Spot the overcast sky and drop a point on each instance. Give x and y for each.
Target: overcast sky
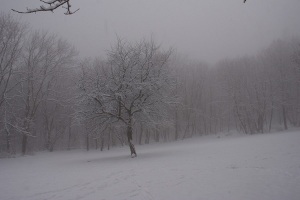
(204, 30)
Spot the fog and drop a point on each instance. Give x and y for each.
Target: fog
(202, 30)
(235, 67)
(105, 78)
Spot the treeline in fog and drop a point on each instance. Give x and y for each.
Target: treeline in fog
(137, 94)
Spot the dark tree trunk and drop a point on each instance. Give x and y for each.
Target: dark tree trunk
(51, 149)
(96, 144)
(176, 125)
(24, 144)
(156, 134)
(48, 140)
(69, 138)
(260, 123)
(147, 139)
(271, 118)
(87, 142)
(129, 137)
(7, 142)
(284, 117)
(108, 140)
(102, 144)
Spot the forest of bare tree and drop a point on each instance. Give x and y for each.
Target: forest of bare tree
(51, 99)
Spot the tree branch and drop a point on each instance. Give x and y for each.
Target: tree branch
(51, 6)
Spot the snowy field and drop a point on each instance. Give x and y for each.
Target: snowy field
(259, 167)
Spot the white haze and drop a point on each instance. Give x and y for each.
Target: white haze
(200, 29)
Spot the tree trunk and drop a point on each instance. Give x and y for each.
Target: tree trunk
(69, 138)
(7, 142)
(87, 142)
(176, 124)
(96, 144)
(51, 148)
(271, 118)
(24, 144)
(108, 139)
(284, 117)
(147, 139)
(129, 137)
(260, 123)
(48, 142)
(156, 134)
(102, 144)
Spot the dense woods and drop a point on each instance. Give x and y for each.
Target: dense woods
(139, 93)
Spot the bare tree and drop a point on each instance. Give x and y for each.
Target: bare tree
(11, 35)
(280, 58)
(11, 40)
(43, 57)
(296, 55)
(133, 85)
(57, 108)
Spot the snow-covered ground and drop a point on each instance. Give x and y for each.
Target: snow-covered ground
(258, 167)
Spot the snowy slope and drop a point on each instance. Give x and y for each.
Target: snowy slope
(259, 167)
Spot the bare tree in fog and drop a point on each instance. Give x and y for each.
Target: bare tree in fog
(133, 85)
(11, 41)
(44, 56)
(296, 55)
(281, 65)
(56, 109)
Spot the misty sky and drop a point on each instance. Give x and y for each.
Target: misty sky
(203, 30)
